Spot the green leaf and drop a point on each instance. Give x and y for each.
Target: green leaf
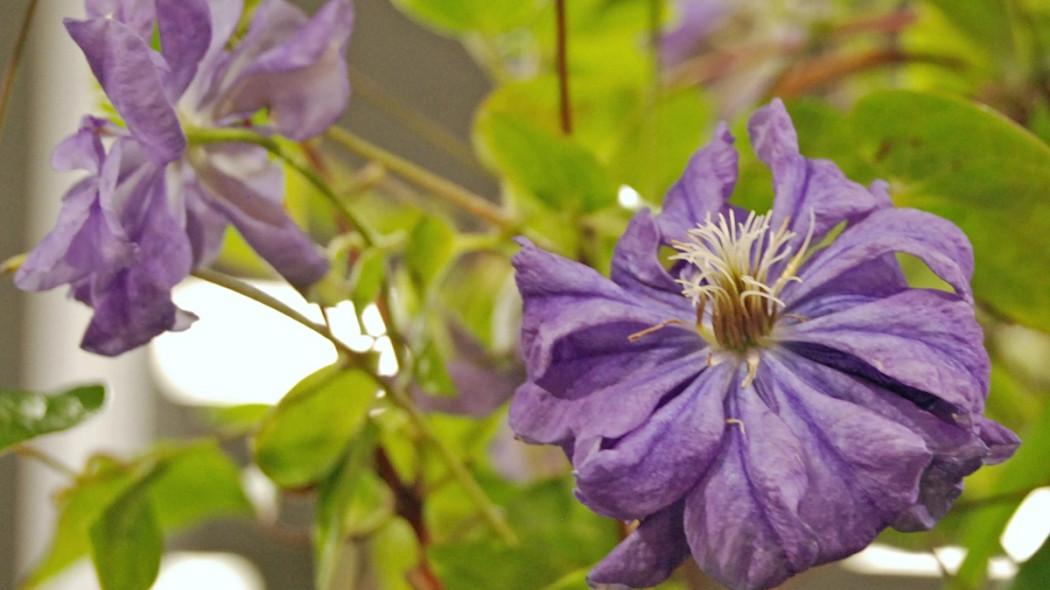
(555, 170)
(25, 415)
(184, 485)
(466, 16)
(349, 502)
(975, 167)
(82, 505)
(198, 483)
(558, 535)
(430, 249)
(658, 140)
(986, 21)
(367, 277)
(126, 542)
(394, 552)
(308, 432)
(239, 419)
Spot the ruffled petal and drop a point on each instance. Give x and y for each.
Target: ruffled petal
(185, 33)
(136, 305)
(811, 195)
(656, 464)
(807, 481)
(140, 15)
(636, 266)
(934, 240)
(300, 76)
(263, 223)
(648, 555)
(125, 67)
(89, 242)
(926, 340)
(83, 150)
(703, 189)
(571, 312)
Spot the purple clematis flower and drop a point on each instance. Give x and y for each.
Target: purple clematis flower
(760, 400)
(157, 205)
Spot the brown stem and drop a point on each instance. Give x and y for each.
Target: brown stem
(407, 503)
(823, 70)
(563, 68)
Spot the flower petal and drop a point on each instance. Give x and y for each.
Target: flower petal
(262, 221)
(125, 67)
(934, 240)
(926, 340)
(140, 15)
(572, 312)
(136, 305)
(300, 75)
(703, 189)
(648, 555)
(656, 464)
(810, 194)
(185, 33)
(636, 267)
(808, 482)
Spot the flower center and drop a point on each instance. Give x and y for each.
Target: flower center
(729, 278)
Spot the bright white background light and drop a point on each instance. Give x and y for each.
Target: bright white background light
(1028, 527)
(208, 571)
(628, 197)
(242, 352)
(883, 560)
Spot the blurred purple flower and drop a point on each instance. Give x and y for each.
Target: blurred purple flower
(156, 206)
(697, 19)
(765, 405)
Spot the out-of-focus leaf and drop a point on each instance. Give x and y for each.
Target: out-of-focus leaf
(24, 415)
(458, 17)
(184, 485)
(345, 504)
(658, 140)
(81, 506)
(980, 170)
(367, 277)
(555, 170)
(430, 248)
(558, 535)
(432, 372)
(986, 21)
(126, 542)
(198, 483)
(308, 432)
(239, 419)
(394, 552)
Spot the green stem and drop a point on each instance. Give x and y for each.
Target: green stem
(243, 135)
(259, 296)
(16, 58)
(36, 454)
(468, 201)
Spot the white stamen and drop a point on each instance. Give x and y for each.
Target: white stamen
(729, 280)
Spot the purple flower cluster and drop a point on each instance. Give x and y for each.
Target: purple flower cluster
(154, 206)
(773, 393)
